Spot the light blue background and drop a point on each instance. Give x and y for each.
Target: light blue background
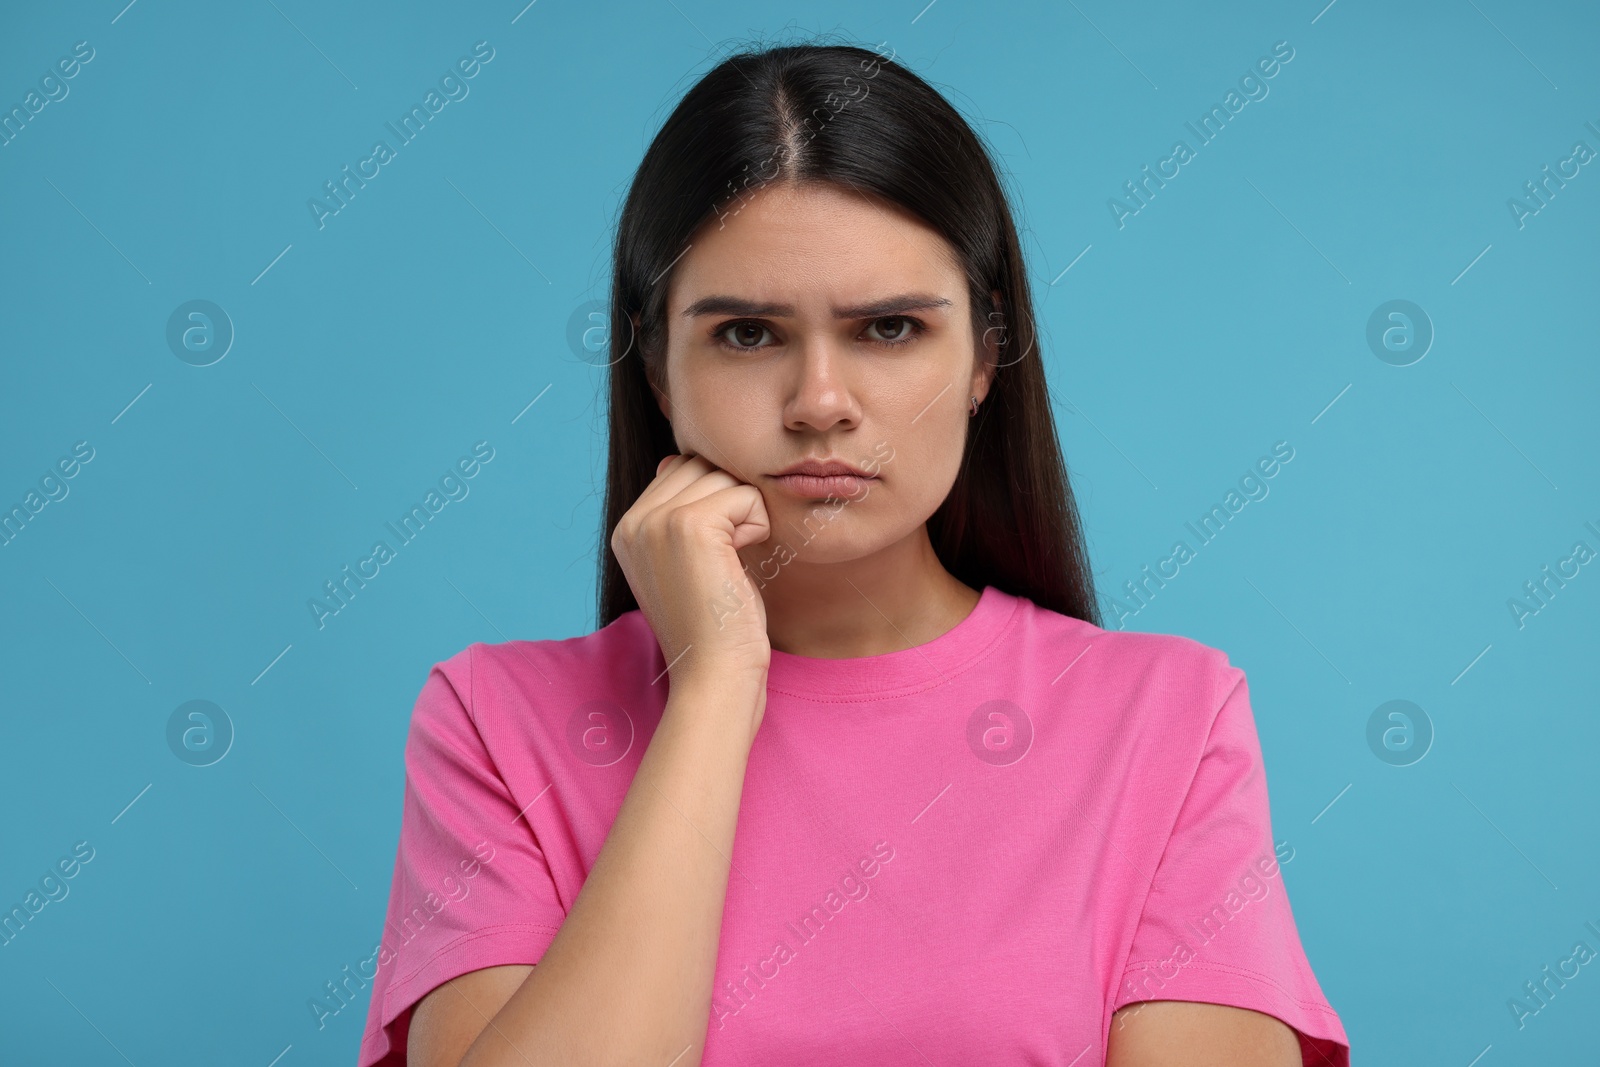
(1229, 314)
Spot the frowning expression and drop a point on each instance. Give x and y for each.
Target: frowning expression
(816, 323)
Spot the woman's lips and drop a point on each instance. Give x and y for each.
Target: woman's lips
(816, 487)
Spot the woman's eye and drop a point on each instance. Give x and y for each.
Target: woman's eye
(899, 334)
(736, 335)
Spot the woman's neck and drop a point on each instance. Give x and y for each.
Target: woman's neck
(890, 601)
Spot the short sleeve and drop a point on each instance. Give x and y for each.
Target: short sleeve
(1216, 925)
(471, 888)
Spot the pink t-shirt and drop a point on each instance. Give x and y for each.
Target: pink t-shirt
(970, 851)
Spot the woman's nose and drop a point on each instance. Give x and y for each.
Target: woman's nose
(823, 394)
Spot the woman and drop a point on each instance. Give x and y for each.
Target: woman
(848, 611)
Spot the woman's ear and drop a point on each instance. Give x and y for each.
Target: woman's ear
(982, 379)
(663, 402)
(989, 358)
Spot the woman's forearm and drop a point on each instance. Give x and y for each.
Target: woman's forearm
(627, 979)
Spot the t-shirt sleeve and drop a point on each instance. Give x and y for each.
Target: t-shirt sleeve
(1216, 925)
(471, 888)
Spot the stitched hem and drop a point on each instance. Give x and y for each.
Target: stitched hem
(1223, 968)
(1320, 1032)
(468, 952)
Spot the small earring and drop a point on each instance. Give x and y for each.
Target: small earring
(973, 410)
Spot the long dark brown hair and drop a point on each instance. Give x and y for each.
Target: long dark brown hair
(836, 113)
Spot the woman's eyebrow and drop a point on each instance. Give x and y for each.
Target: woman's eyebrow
(892, 305)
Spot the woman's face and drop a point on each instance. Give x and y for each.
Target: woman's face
(813, 323)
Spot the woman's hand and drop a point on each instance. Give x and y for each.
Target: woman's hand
(678, 547)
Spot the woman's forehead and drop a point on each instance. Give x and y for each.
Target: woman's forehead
(813, 249)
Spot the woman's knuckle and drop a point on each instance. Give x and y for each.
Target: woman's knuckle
(681, 521)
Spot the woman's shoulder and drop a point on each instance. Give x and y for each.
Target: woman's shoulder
(1137, 659)
(484, 670)
(1140, 699)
